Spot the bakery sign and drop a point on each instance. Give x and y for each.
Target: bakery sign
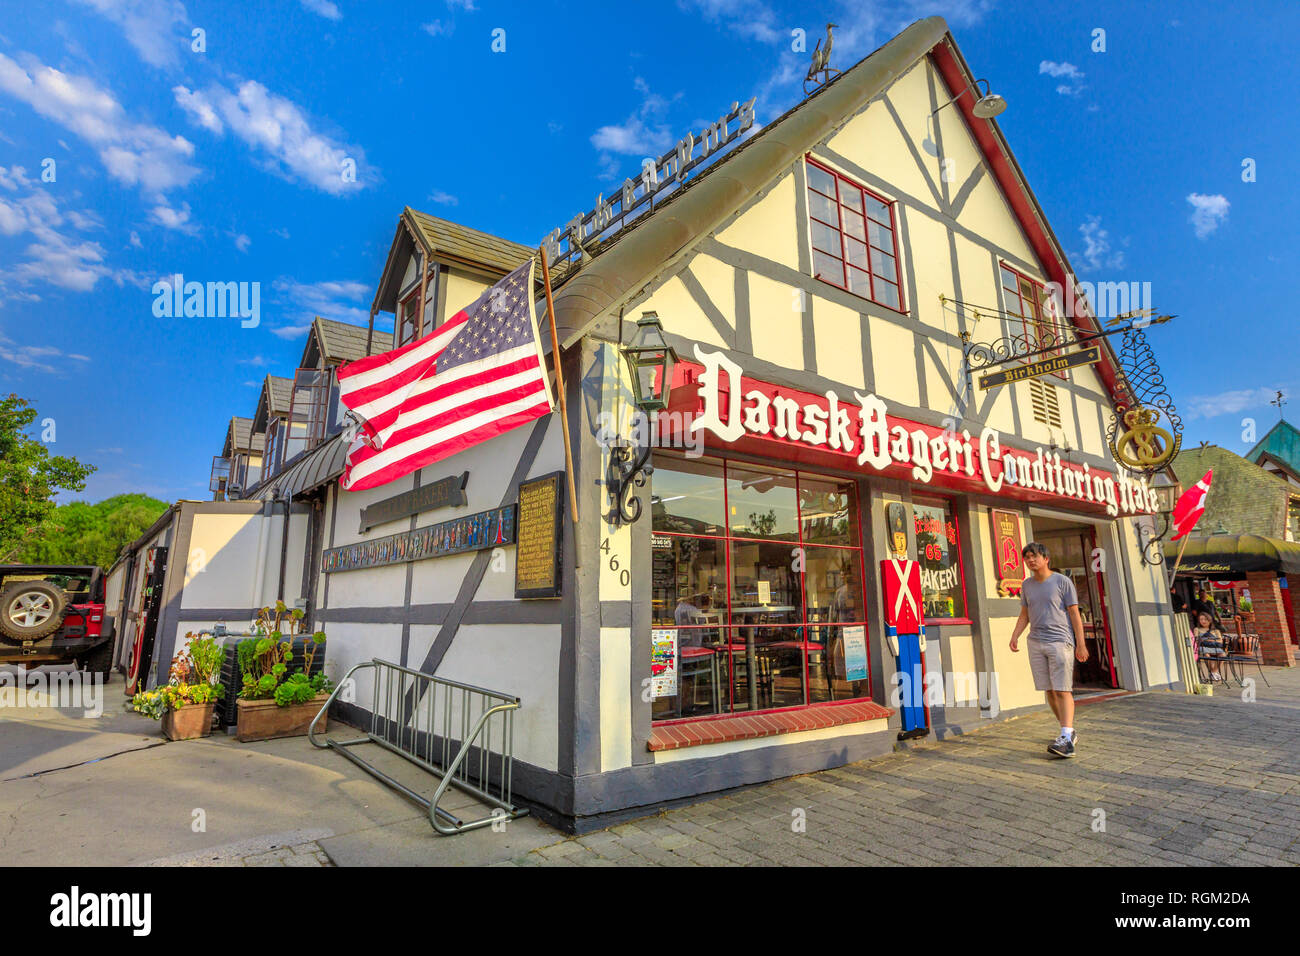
(749, 412)
(1008, 543)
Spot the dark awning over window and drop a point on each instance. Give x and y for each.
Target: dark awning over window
(321, 464)
(1230, 555)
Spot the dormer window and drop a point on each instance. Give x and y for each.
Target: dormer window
(274, 446)
(220, 477)
(307, 411)
(408, 318)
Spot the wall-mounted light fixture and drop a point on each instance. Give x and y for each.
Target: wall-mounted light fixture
(986, 107)
(650, 360)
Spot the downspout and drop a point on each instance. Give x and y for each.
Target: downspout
(284, 545)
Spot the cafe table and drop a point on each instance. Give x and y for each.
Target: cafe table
(750, 656)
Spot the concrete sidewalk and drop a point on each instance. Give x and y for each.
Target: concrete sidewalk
(1160, 778)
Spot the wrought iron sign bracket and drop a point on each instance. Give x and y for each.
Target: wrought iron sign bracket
(627, 470)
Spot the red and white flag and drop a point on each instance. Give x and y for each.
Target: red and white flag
(1190, 506)
(477, 375)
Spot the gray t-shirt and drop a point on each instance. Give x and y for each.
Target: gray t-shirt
(1049, 621)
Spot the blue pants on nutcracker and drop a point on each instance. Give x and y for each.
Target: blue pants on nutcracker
(912, 671)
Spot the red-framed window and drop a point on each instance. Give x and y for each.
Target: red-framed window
(1027, 301)
(854, 237)
(759, 571)
(938, 550)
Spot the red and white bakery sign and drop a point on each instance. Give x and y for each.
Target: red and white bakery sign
(752, 415)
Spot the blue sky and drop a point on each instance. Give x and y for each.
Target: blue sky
(224, 165)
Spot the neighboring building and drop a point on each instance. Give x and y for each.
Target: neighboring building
(1244, 546)
(799, 278)
(1278, 452)
(239, 466)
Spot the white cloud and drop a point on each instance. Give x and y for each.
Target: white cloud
(1228, 402)
(242, 242)
(37, 358)
(1069, 73)
(437, 28)
(277, 129)
(133, 153)
(135, 240)
(1097, 252)
(466, 5)
(749, 18)
(303, 301)
(633, 138)
(174, 219)
(158, 29)
(55, 256)
(1208, 213)
(443, 198)
(330, 11)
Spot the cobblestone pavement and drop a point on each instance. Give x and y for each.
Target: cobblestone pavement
(1160, 779)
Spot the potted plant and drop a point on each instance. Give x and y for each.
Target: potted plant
(278, 700)
(185, 703)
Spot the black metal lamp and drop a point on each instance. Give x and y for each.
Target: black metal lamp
(650, 360)
(1167, 493)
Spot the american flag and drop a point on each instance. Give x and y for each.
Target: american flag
(477, 375)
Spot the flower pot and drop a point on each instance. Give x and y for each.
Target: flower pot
(265, 719)
(188, 722)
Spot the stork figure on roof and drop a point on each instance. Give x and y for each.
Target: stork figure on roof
(820, 72)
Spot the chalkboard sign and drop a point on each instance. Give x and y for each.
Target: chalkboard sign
(540, 523)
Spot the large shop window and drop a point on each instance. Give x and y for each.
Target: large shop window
(757, 586)
(943, 587)
(853, 237)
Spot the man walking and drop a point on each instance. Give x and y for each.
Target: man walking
(1050, 609)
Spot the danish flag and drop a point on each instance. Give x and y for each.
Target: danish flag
(1190, 507)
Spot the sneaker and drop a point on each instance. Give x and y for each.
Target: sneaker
(1063, 747)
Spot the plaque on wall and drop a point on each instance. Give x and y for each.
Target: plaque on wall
(537, 555)
(444, 493)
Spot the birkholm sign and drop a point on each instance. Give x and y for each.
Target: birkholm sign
(737, 409)
(1059, 363)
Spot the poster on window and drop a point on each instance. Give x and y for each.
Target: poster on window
(855, 652)
(938, 554)
(663, 662)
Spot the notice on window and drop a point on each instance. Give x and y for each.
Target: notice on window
(765, 593)
(663, 662)
(855, 652)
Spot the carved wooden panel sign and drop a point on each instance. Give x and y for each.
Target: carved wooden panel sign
(487, 529)
(444, 493)
(1008, 542)
(537, 557)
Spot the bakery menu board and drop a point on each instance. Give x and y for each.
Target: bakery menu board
(663, 662)
(537, 549)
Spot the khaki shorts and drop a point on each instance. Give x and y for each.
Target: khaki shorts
(1052, 664)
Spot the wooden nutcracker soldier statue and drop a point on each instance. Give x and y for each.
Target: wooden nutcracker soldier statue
(905, 628)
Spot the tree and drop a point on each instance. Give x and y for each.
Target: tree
(81, 533)
(29, 478)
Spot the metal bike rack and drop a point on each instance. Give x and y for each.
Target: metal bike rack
(444, 727)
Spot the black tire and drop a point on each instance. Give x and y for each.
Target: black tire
(98, 661)
(39, 602)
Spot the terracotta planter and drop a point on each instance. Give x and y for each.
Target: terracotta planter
(264, 719)
(188, 722)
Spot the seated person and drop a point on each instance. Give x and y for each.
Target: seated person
(1209, 645)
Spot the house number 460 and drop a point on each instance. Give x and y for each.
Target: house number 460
(624, 576)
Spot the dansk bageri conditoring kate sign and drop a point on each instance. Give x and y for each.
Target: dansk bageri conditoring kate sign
(756, 417)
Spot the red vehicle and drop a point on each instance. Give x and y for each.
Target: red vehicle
(54, 614)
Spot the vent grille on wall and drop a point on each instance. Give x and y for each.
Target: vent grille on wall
(1046, 408)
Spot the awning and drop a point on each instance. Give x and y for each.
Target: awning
(1227, 555)
(318, 466)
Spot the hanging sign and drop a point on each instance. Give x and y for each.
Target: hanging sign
(1008, 542)
(1056, 363)
(1139, 442)
(537, 556)
(487, 529)
(444, 493)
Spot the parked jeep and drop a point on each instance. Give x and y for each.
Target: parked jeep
(53, 614)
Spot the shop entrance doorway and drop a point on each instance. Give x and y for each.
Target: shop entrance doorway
(1072, 548)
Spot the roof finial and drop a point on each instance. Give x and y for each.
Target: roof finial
(820, 71)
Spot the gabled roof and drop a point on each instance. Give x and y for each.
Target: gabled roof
(240, 438)
(625, 263)
(1244, 497)
(446, 242)
(341, 342)
(276, 396)
(1282, 441)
